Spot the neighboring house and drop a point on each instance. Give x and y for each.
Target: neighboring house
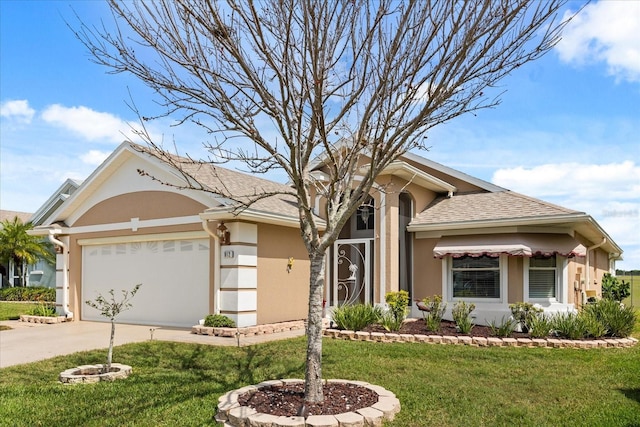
(427, 229)
(8, 277)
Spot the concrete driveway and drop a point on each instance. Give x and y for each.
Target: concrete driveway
(31, 342)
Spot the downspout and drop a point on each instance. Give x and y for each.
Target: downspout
(587, 268)
(216, 266)
(65, 273)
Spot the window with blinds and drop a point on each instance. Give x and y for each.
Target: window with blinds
(542, 277)
(476, 277)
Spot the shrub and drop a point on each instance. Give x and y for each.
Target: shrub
(219, 321)
(614, 289)
(398, 303)
(616, 319)
(355, 317)
(43, 309)
(503, 329)
(523, 312)
(540, 326)
(594, 327)
(569, 325)
(433, 317)
(462, 316)
(36, 293)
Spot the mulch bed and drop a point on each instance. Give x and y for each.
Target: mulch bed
(418, 327)
(288, 400)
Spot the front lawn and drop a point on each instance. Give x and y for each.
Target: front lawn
(175, 384)
(13, 310)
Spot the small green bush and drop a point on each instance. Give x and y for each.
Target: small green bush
(462, 316)
(355, 317)
(615, 289)
(523, 313)
(433, 317)
(503, 329)
(396, 312)
(219, 321)
(617, 319)
(569, 325)
(42, 309)
(540, 326)
(36, 293)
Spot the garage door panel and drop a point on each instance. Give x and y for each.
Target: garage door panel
(174, 276)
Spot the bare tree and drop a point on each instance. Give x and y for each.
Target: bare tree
(347, 84)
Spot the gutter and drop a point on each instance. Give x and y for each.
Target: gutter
(216, 265)
(65, 272)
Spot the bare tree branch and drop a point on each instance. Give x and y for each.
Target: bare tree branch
(341, 86)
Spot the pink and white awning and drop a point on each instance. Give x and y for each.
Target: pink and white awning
(509, 244)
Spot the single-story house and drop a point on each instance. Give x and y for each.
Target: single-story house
(427, 229)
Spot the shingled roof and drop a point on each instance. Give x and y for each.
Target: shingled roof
(485, 206)
(262, 194)
(9, 215)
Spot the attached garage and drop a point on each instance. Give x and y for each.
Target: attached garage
(174, 273)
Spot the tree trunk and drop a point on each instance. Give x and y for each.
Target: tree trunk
(313, 374)
(110, 352)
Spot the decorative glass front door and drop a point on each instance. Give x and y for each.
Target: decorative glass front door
(351, 272)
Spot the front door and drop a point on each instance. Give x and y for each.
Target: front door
(352, 268)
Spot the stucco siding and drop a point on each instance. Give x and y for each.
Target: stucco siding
(143, 205)
(282, 295)
(427, 270)
(515, 273)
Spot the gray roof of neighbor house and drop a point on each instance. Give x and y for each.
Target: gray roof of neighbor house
(487, 206)
(9, 215)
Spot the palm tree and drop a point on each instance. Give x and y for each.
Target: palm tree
(23, 249)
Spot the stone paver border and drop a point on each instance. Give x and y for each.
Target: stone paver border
(479, 341)
(42, 319)
(87, 374)
(231, 414)
(249, 331)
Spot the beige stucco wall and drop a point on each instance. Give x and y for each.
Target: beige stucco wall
(515, 277)
(282, 295)
(427, 270)
(143, 205)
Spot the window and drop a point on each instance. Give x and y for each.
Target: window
(365, 215)
(542, 277)
(476, 277)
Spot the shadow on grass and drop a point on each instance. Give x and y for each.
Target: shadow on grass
(633, 394)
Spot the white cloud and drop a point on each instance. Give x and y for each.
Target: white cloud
(90, 124)
(18, 110)
(605, 31)
(610, 193)
(613, 181)
(94, 157)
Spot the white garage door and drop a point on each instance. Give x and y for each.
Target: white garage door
(174, 276)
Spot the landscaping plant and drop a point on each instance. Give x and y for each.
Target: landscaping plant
(462, 316)
(219, 321)
(615, 289)
(504, 329)
(397, 309)
(356, 317)
(540, 326)
(618, 320)
(110, 308)
(523, 313)
(433, 317)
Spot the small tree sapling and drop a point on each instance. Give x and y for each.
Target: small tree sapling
(110, 308)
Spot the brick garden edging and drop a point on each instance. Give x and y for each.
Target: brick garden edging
(42, 319)
(88, 374)
(249, 331)
(479, 341)
(231, 414)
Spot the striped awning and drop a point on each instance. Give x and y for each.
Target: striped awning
(525, 244)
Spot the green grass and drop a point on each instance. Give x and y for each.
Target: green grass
(634, 298)
(13, 310)
(438, 385)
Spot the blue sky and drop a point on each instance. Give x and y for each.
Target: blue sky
(567, 131)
